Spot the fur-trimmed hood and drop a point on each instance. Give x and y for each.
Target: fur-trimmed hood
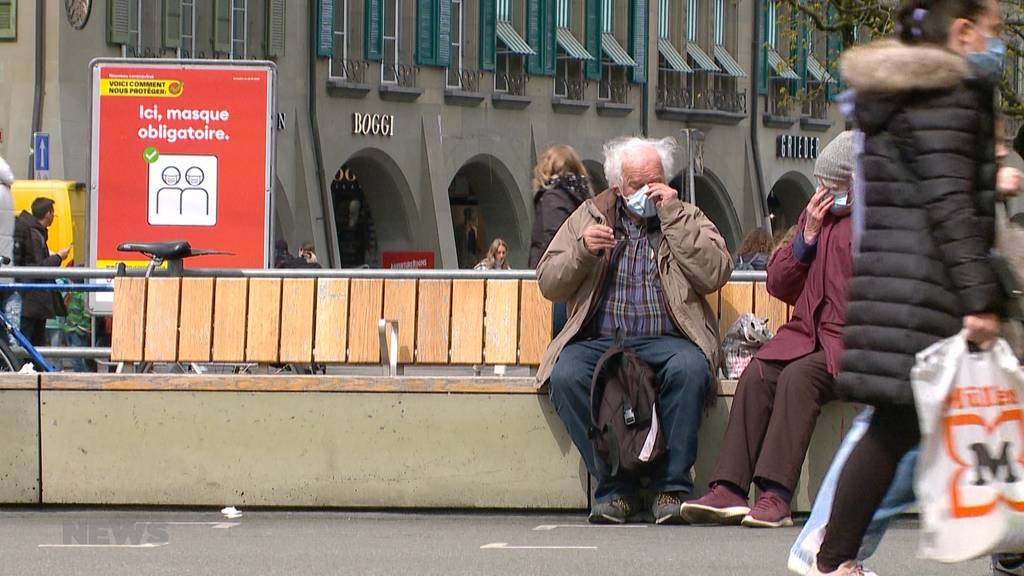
(890, 66)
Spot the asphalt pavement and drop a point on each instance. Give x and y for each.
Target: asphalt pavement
(114, 542)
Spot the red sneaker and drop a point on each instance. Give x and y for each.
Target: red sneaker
(770, 511)
(719, 506)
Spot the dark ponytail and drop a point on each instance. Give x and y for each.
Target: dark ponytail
(928, 21)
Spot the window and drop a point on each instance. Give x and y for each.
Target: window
(187, 40)
(133, 48)
(570, 57)
(616, 62)
(339, 60)
(719, 32)
(512, 50)
(455, 64)
(389, 67)
(608, 16)
(8, 19)
(239, 28)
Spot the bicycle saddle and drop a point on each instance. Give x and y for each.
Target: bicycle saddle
(174, 250)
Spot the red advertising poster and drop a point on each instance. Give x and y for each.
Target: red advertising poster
(182, 152)
(408, 260)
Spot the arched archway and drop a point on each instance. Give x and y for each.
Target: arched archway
(787, 200)
(486, 204)
(373, 208)
(595, 169)
(713, 199)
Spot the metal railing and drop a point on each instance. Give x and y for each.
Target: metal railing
(349, 70)
(464, 79)
(512, 84)
(571, 89)
(734, 101)
(780, 102)
(401, 74)
(617, 92)
(816, 106)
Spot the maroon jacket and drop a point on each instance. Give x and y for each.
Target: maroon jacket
(812, 279)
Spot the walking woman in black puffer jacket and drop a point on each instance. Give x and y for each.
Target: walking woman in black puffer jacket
(925, 104)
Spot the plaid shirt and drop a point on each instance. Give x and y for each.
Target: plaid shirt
(633, 297)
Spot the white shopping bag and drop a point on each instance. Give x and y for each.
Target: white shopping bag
(970, 476)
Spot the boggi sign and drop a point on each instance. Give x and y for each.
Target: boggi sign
(373, 124)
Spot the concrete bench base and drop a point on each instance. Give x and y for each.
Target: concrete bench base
(263, 441)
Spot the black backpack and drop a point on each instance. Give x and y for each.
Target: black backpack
(623, 411)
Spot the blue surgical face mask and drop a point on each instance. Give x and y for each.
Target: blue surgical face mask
(840, 202)
(988, 65)
(638, 203)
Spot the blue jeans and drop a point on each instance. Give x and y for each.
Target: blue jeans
(77, 340)
(683, 376)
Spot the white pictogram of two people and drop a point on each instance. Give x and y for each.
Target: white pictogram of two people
(194, 178)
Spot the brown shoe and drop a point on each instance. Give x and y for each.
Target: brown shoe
(719, 506)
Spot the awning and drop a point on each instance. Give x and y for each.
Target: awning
(672, 56)
(611, 47)
(703, 61)
(817, 71)
(512, 39)
(781, 67)
(571, 45)
(728, 63)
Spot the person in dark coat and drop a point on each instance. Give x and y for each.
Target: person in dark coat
(781, 392)
(561, 185)
(925, 105)
(30, 249)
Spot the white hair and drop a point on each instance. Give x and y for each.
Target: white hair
(615, 151)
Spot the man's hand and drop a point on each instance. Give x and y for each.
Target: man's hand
(64, 253)
(597, 237)
(982, 329)
(659, 192)
(1008, 181)
(817, 208)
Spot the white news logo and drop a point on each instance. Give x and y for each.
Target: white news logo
(183, 190)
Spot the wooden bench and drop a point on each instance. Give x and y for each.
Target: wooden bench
(356, 321)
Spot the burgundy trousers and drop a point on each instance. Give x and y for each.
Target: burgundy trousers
(772, 419)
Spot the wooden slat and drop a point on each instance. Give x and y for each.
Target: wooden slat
(737, 299)
(298, 298)
(534, 324)
(433, 321)
(128, 332)
(400, 305)
(365, 310)
(195, 329)
(467, 322)
(162, 299)
(230, 301)
(767, 306)
(713, 302)
(263, 330)
(501, 325)
(331, 320)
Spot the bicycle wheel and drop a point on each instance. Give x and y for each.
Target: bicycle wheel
(8, 360)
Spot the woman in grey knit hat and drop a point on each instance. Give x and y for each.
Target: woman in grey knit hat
(781, 392)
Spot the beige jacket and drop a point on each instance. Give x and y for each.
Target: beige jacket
(693, 261)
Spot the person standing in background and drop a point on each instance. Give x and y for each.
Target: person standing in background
(496, 257)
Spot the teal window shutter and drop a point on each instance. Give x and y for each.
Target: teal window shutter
(534, 27)
(324, 28)
(8, 19)
(550, 35)
(222, 26)
(802, 36)
(444, 32)
(426, 33)
(373, 30)
(118, 16)
(433, 32)
(765, 68)
(592, 37)
(276, 28)
(488, 34)
(638, 20)
(172, 23)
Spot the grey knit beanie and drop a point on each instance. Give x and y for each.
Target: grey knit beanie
(835, 163)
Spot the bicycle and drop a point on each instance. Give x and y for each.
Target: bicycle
(8, 359)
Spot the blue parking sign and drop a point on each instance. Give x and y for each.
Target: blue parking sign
(41, 151)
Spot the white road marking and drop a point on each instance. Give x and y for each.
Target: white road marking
(223, 525)
(146, 545)
(505, 546)
(544, 527)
